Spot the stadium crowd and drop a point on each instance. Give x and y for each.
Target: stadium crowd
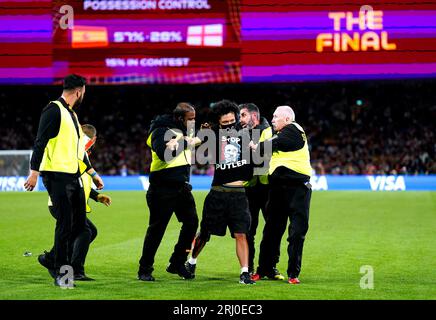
(353, 128)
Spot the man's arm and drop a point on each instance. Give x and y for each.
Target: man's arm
(87, 162)
(100, 197)
(91, 171)
(48, 128)
(289, 139)
(94, 195)
(159, 145)
(201, 136)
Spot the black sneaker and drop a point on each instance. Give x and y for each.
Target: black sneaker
(245, 278)
(181, 270)
(45, 261)
(145, 277)
(190, 268)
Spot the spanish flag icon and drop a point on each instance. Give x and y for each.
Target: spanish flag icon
(89, 37)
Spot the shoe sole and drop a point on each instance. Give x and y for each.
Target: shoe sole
(294, 283)
(151, 280)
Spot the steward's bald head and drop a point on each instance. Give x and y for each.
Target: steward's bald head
(287, 112)
(283, 116)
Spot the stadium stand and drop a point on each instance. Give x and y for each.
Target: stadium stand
(353, 128)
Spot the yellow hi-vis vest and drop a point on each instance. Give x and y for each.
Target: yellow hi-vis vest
(87, 185)
(263, 179)
(64, 153)
(298, 161)
(183, 159)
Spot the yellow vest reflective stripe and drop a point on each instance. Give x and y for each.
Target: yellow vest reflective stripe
(263, 179)
(157, 164)
(64, 153)
(298, 161)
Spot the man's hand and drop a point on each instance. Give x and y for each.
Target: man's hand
(205, 126)
(192, 142)
(252, 146)
(172, 144)
(106, 200)
(31, 181)
(98, 181)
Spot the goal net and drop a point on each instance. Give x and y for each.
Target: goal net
(15, 162)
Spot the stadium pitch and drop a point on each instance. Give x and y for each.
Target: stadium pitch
(392, 233)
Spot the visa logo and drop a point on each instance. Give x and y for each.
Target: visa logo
(319, 183)
(387, 183)
(145, 183)
(12, 184)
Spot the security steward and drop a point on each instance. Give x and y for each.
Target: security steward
(289, 195)
(60, 158)
(169, 190)
(256, 189)
(83, 240)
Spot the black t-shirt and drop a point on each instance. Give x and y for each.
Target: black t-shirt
(233, 157)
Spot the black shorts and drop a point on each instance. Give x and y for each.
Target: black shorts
(225, 209)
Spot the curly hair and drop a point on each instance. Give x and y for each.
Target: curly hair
(220, 108)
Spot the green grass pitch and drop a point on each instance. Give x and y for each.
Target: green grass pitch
(395, 233)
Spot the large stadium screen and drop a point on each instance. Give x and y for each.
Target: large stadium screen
(153, 41)
(215, 41)
(26, 42)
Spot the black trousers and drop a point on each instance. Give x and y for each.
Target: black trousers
(79, 251)
(162, 203)
(285, 202)
(257, 197)
(69, 208)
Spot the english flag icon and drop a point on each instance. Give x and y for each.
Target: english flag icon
(210, 35)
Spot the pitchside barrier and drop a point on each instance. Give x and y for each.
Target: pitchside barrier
(319, 183)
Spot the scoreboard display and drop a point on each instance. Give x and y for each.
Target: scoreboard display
(215, 41)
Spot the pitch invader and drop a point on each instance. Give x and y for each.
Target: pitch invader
(226, 204)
